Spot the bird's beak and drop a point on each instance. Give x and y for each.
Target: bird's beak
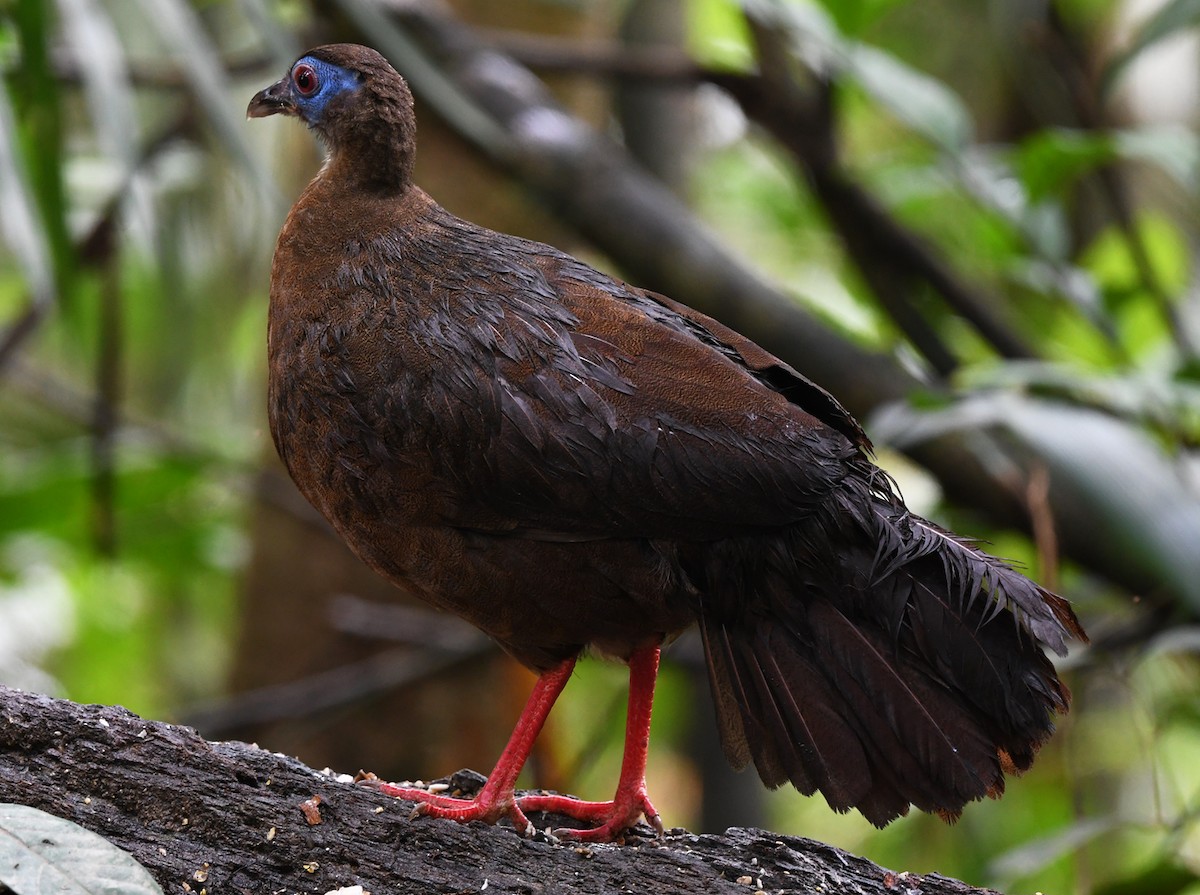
(275, 99)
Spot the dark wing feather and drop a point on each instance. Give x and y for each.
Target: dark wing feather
(559, 403)
(612, 412)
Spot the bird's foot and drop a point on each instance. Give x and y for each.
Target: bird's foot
(614, 818)
(489, 806)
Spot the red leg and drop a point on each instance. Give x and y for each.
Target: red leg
(496, 799)
(630, 801)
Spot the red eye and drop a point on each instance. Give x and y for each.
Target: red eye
(304, 76)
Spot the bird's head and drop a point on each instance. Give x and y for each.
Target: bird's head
(355, 101)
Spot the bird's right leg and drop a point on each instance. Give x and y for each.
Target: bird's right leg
(497, 798)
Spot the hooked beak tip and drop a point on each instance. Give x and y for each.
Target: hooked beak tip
(272, 101)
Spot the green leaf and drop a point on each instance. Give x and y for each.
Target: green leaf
(1176, 150)
(717, 35)
(22, 227)
(1053, 159)
(919, 100)
(1036, 854)
(1184, 639)
(1138, 504)
(182, 31)
(922, 102)
(37, 102)
(855, 18)
(94, 42)
(41, 854)
(1177, 15)
(1110, 261)
(1164, 877)
(1157, 401)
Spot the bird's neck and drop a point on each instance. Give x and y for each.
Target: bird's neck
(374, 166)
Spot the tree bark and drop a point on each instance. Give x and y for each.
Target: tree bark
(233, 818)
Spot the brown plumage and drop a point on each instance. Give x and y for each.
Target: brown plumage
(568, 461)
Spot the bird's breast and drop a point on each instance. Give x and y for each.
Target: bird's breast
(342, 415)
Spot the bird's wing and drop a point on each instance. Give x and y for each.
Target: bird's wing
(572, 406)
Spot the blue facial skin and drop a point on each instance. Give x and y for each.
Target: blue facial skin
(332, 80)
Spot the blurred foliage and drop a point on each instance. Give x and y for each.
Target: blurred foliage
(138, 216)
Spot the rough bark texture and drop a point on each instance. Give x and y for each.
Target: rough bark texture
(228, 818)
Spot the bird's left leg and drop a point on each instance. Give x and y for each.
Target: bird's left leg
(630, 801)
(496, 799)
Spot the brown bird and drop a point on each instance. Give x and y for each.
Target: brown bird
(570, 462)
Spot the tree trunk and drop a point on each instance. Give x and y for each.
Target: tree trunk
(233, 818)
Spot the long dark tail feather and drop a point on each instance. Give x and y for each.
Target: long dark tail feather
(870, 655)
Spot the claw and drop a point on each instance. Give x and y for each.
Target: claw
(615, 818)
